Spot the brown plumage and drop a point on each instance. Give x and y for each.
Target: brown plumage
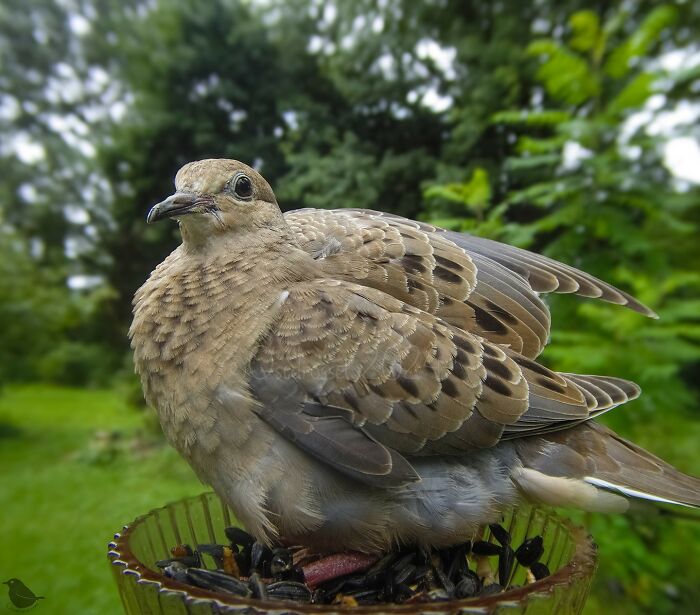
(348, 378)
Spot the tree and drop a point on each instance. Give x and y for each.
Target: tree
(586, 188)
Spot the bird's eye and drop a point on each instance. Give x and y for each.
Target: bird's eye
(243, 187)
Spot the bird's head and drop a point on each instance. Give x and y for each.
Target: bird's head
(218, 196)
(10, 582)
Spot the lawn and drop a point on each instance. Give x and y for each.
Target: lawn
(66, 490)
(67, 485)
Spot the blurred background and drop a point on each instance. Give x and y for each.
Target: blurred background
(568, 127)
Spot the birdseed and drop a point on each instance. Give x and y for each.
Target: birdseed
(247, 568)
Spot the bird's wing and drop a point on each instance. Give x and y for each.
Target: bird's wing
(365, 381)
(478, 285)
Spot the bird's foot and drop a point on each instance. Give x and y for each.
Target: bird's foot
(336, 565)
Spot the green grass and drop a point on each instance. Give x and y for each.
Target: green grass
(64, 492)
(62, 496)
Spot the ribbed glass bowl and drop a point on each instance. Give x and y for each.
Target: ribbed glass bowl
(568, 552)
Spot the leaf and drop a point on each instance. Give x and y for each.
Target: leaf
(531, 118)
(531, 145)
(634, 94)
(474, 194)
(585, 27)
(640, 41)
(566, 75)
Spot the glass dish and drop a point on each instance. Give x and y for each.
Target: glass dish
(568, 552)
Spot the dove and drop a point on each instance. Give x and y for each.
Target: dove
(351, 380)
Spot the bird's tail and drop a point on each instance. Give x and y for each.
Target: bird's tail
(591, 467)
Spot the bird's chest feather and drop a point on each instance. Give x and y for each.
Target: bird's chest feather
(196, 326)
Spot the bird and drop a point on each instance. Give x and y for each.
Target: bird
(353, 380)
(20, 595)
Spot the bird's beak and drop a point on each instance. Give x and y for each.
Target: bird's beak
(178, 204)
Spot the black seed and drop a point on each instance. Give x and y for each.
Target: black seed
(176, 571)
(403, 562)
(492, 589)
(447, 585)
(243, 562)
(281, 562)
(500, 533)
(505, 565)
(211, 549)
(259, 555)
(438, 595)
(188, 560)
(383, 563)
(289, 590)
(530, 551)
(239, 537)
(453, 559)
(420, 573)
(405, 575)
(355, 582)
(402, 592)
(217, 581)
(469, 586)
(539, 570)
(389, 588)
(258, 587)
(365, 596)
(481, 547)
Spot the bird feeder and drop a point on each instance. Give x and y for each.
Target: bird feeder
(569, 553)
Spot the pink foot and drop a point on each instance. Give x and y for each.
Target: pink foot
(336, 565)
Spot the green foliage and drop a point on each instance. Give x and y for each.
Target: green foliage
(582, 190)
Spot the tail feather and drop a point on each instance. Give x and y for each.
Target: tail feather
(591, 455)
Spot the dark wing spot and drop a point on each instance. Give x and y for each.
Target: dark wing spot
(410, 410)
(449, 387)
(502, 314)
(408, 385)
(551, 385)
(458, 370)
(487, 322)
(464, 344)
(532, 366)
(414, 284)
(497, 385)
(497, 367)
(351, 400)
(412, 264)
(490, 351)
(446, 262)
(447, 275)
